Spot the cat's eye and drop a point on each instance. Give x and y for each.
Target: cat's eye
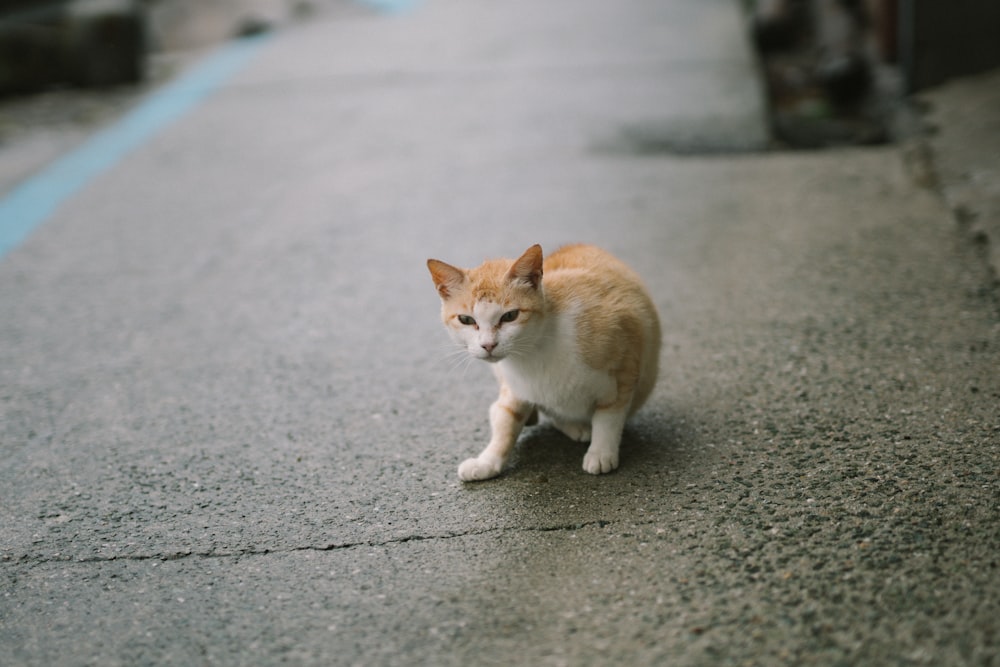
(466, 320)
(510, 315)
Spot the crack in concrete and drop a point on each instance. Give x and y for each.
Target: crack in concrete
(335, 546)
(447, 536)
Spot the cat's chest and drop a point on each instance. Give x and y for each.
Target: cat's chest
(559, 382)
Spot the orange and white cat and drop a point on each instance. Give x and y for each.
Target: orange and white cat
(581, 347)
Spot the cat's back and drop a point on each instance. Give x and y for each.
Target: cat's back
(586, 258)
(581, 274)
(601, 291)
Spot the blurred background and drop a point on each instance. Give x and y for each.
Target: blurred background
(835, 70)
(839, 44)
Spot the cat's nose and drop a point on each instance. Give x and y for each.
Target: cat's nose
(488, 346)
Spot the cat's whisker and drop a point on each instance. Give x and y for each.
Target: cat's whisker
(456, 358)
(462, 363)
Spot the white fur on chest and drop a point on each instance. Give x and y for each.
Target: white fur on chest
(554, 376)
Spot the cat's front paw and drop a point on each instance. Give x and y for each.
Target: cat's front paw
(479, 468)
(599, 462)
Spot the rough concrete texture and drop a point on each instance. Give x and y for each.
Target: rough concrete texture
(966, 144)
(231, 420)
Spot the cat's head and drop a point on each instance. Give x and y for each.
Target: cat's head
(492, 310)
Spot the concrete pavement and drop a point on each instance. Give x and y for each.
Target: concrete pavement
(231, 426)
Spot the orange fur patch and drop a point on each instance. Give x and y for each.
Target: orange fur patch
(618, 329)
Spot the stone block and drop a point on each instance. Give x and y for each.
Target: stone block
(80, 42)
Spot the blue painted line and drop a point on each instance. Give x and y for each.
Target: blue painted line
(34, 201)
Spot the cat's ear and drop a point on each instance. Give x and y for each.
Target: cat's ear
(527, 268)
(446, 277)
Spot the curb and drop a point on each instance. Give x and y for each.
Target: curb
(963, 142)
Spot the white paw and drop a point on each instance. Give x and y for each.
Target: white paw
(599, 462)
(483, 467)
